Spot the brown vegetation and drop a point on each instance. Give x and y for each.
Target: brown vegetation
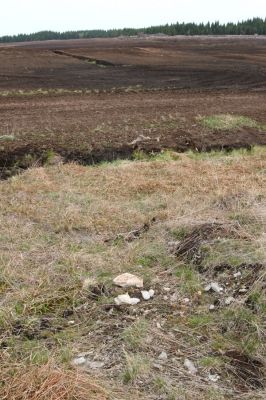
(55, 225)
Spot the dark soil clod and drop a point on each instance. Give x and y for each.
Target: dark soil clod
(248, 371)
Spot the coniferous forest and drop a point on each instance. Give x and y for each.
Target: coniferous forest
(255, 26)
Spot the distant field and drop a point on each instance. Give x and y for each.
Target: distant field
(99, 99)
(193, 63)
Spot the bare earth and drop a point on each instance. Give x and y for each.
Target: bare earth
(153, 89)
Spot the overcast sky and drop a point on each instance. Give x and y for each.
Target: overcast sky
(25, 16)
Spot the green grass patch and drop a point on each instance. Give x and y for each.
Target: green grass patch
(229, 122)
(7, 138)
(136, 366)
(231, 251)
(188, 279)
(134, 335)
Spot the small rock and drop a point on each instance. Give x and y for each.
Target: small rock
(237, 274)
(158, 325)
(166, 289)
(145, 294)
(71, 322)
(128, 280)
(212, 307)
(163, 356)
(214, 286)
(186, 300)
(207, 288)
(214, 377)
(126, 299)
(79, 361)
(165, 298)
(190, 366)
(229, 300)
(243, 290)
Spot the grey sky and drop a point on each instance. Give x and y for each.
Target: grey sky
(25, 16)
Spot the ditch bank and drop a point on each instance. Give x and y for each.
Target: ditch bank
(21, 158)
(102, 63)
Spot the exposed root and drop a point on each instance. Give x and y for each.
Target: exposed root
(132, 235)
(248, 371)
(189, 247)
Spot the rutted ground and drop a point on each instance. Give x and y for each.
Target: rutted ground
(93, 127)
(179, 221)
(177, 62)
(101, 99)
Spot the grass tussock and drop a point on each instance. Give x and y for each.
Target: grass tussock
(49, 382)
(229, 122)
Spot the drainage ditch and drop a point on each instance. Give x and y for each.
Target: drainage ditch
(20, 159)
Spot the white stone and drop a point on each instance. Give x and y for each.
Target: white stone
(216, 287)
(145, 294)
(186, 300)
(229, 300)
(237, 274)
(212, 307)
(166, 289)
(214, 377)
(207, 288)
(126, 299)
(190, 366)
(79, 361)
(163, 356)
(128, 280)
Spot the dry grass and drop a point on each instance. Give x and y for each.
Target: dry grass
(48, 382)
(54, 225)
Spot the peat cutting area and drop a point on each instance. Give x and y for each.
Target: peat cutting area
(102, 99)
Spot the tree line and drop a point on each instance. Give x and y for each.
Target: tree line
(255, 26)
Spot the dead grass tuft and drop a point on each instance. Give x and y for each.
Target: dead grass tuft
(48, 382)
